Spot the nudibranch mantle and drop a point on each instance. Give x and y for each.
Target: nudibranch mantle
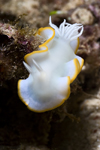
(52, 68)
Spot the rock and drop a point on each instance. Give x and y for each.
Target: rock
(82, 15)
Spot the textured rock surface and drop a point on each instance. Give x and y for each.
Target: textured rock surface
(76, 124)
(82, 15)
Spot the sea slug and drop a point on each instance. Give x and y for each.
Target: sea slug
(52, 68)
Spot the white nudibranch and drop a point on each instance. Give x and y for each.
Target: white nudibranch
(52, 68)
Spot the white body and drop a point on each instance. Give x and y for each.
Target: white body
(51, 69)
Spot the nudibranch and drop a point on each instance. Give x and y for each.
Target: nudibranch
(52, 68)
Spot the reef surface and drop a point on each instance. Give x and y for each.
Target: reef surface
(74, 125)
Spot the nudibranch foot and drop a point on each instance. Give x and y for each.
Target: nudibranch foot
(52, 68)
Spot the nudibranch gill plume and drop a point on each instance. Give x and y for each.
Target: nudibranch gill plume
(52, 68)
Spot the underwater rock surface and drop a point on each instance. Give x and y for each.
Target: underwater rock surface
(75, 125)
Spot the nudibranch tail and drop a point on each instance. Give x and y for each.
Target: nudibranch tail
(52, 68)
